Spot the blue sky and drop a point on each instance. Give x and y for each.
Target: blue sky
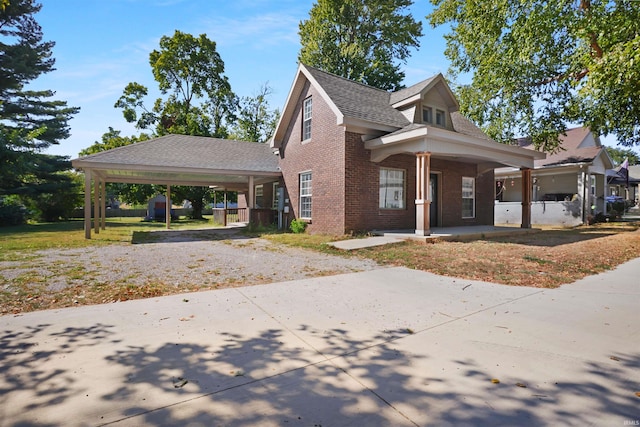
(101, 45)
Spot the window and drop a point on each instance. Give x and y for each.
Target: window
(276, 196)
(427, 115)
(440, 118)
(259, 196)
(305, 195)
(391, 188)
(593, 185)
(468, 197)
(306, 119)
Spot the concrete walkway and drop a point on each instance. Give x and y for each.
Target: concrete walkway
(388, 347)
(383, 237)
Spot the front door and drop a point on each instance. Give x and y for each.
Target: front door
(433, 197)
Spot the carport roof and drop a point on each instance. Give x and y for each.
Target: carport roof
(184, 160)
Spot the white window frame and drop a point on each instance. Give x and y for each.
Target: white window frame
(441, 118)
(391, 196)
(259, 192)
(275, 194)
(305, 186)
(468, 195)
(307, 114)
(428, 111)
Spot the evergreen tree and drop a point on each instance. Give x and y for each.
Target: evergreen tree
(30, 121)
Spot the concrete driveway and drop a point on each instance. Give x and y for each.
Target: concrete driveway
(388, 347)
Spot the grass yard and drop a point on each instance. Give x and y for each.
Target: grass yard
(547, 259)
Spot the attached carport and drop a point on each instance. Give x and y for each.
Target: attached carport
(176, 160)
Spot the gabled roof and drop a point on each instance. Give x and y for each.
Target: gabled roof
(183, 160)
(186, 151)
(575, 147)
(356, 100)
(414, 93)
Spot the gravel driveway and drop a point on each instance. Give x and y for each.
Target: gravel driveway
(187, 259)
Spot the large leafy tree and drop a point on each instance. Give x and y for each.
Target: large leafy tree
(30, 120)
(362, 40)
(537, 66)
(199, 99)
(190, 72)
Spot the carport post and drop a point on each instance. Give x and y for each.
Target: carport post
(103, 205)
(250, 202)
(526, 198)
(96, 205)
(87, 203)
(167, 207)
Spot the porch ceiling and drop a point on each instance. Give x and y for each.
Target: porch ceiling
(442, 143)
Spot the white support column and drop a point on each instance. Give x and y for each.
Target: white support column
(103, 204)
(167, 206)
(87, 204)
(96, 205)
(423, 202)
(527, 186)
(250, 202)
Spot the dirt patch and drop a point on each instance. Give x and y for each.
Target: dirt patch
(160, 263)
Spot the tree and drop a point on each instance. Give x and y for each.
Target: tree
(537, 66)
(362, 40)
(191, 72)
(619, 154)
(255, 121)
(30, 121)
(200, 101)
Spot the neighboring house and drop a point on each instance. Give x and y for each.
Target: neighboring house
(357, 158)
(568, 187)
(349, 158)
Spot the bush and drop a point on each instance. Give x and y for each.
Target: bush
(12, 211)
(298, 226)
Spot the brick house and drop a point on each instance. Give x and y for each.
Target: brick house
(356, 158)
(349, 157)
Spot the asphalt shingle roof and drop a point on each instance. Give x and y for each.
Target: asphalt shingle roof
(193, 152)
(359, 101)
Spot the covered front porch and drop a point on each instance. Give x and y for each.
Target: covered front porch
(428, 143)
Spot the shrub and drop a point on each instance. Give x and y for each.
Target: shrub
(298, 226)
(12, 211)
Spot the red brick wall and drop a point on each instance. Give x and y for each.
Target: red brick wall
(362, 183)
(450, 197)
(323, 155)
(345, 182)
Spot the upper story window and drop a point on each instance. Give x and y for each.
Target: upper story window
(306, 119)
(440, 118)
(427, 115)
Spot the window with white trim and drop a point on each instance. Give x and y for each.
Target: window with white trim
(468, 197)
(276, 196)
(305, 195)
(306, 119)
(441, 118)
(427, 115)
(392, 188)
(259, 196)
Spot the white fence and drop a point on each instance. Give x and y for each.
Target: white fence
(566, 213)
